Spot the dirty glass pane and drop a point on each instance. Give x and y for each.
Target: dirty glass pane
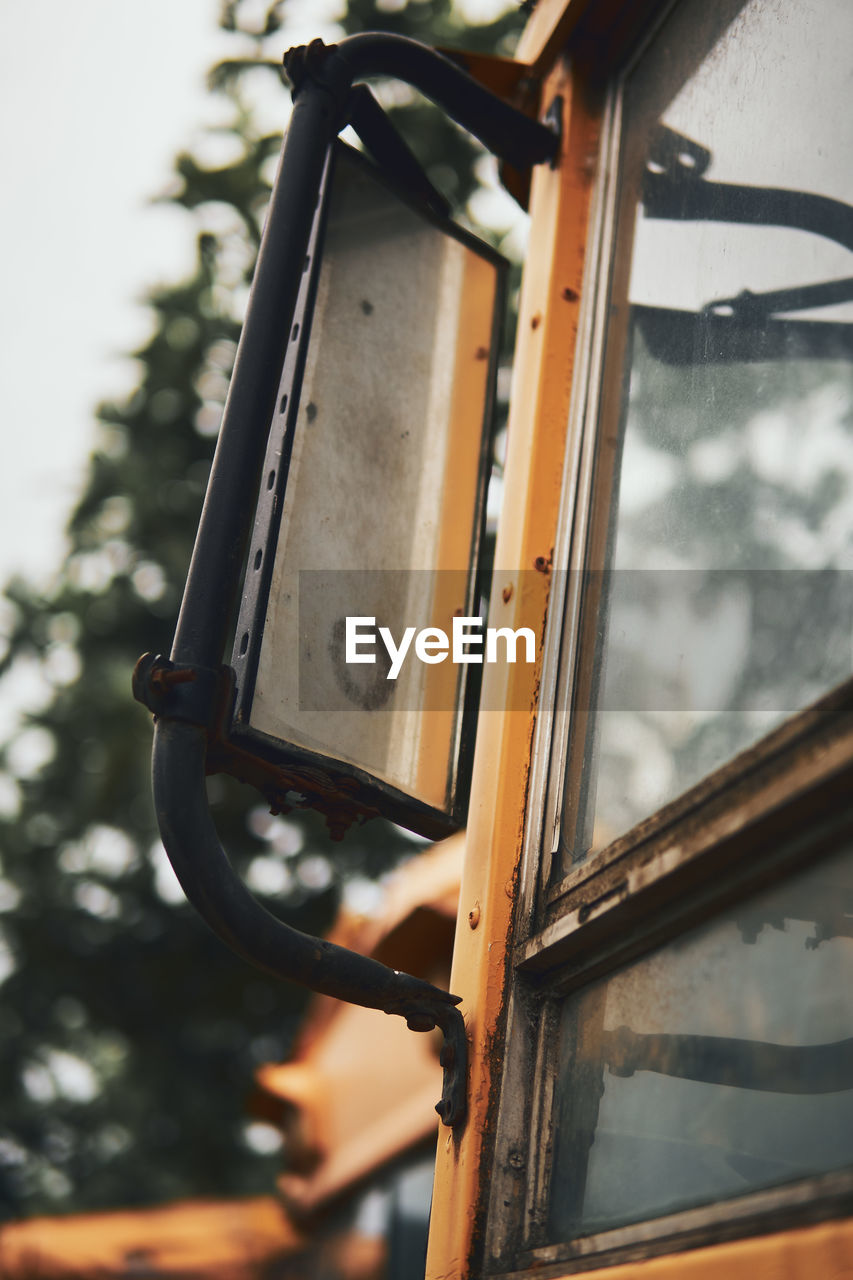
(383, 489)
(718, 1064)
(721, 562)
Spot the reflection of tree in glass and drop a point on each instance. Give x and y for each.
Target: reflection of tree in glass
(716, 1064)
(735, 514)
(758, 457)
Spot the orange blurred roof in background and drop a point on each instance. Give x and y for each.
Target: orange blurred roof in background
(189, 1240)
(359, 1091)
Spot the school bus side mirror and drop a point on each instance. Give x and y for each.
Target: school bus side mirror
(344, 507)
(370, 513)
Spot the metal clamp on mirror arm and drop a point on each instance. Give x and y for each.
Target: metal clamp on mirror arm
(185, 702)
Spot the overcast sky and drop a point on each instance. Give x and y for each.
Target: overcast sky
(96, 98)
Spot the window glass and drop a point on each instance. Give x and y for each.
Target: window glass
(716, 1065)
(722, 534)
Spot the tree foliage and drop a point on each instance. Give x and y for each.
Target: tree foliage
(129, 1032)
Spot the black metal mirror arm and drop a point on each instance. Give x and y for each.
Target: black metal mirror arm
(501, 127)
(183, 692)
(224, 902)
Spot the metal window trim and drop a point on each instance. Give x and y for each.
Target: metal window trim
(808, 1200)
(563, 649)
(568, 623)
(555, 691)
(785, 776)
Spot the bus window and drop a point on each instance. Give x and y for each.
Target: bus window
(719, 600)
(677, 1065)
(715, 1065)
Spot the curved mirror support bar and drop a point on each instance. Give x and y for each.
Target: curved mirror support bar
(506, 131)
(220, 897)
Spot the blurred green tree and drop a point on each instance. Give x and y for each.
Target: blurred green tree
(129, 1032)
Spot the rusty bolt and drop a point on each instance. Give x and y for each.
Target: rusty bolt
(535, 321)
(482, 353)
(542, 564)
(507, 593)
(570, 295)
(162, 678)
(474, 915)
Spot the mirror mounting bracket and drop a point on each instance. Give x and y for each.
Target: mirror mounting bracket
(503, 129)
(186, 703)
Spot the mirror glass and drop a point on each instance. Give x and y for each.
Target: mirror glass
(378, 475)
